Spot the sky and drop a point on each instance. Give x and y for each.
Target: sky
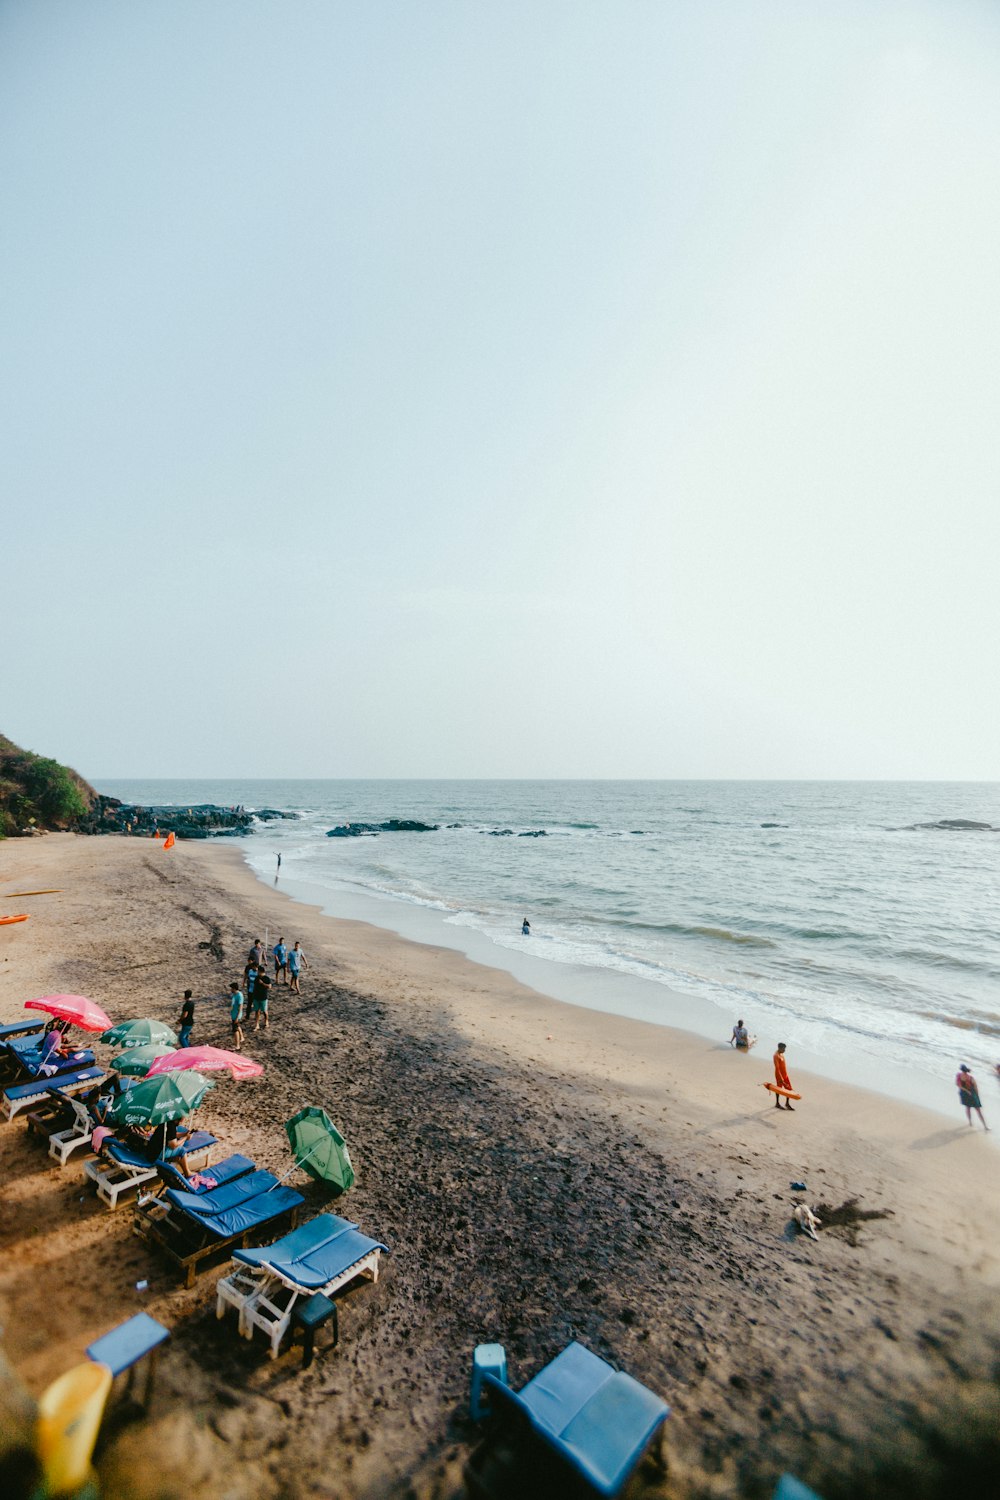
(559, 389)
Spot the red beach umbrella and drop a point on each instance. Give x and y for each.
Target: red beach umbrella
(76, 1009)
(206, 1060)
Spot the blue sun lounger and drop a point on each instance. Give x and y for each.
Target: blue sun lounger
(28, 1060)
(19, 1029)
(220, 1171)
(579, 1421)
(24, 1095)
(120, 1168)
(204, 1223)
(321, 1256)
(229, 1194)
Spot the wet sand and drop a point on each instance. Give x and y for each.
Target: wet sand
(542, 1173)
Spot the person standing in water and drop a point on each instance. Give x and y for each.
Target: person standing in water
(525, 928)
(781, 1077)
(968, 1093)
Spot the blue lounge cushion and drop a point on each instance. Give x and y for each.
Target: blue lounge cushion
(298, 1242)
(18, 1029)
(249, 1215)
(125, 1156)
(40, 1086)
(219, 1200)
(330, 1260)
(198, 1140)
(220, 1172)
(59, 1062)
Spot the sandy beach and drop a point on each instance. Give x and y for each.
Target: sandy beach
(541, 1172)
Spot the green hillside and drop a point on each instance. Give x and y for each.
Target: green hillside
(36, 792)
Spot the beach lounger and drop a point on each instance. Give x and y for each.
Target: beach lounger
(321, 1256)
(75, 1134)
(225, 1218)
(24, 1095)
(578, 1427)
(18, 1028)
(121, 1168)
(54, 1112)
(220, 1172)
(26, 1063)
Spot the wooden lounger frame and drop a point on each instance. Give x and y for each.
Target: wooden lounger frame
(151, 1221)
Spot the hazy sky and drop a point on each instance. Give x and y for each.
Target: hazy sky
(497, 389)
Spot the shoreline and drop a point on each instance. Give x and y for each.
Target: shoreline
(541, 1172)
(611, 993)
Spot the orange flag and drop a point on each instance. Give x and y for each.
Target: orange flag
(169, 841)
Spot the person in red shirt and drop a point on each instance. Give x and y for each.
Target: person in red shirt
(781, 1077)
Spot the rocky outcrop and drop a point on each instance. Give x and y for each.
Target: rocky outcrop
(370, 830)
(110, 815)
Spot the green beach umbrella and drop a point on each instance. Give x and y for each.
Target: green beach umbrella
(319, 1148)
(137, 1061)
(155, 1101)
(138, 1033)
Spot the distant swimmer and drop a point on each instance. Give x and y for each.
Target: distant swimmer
(525, 928)
(741, 1038)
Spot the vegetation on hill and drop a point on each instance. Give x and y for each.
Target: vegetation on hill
(36, 792)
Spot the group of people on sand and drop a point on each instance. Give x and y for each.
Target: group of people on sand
(968, 1090)
(253, 996)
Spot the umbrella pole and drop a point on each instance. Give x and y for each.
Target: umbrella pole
(294, 1167)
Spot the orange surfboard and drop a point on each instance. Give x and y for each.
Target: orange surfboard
(785, 1093)
(4, 921)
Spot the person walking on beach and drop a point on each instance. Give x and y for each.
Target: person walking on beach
(185, 1022)
(740, 1037)
(250, 982)
(278, 870)
(236, 1015)
(280, 953)
(968, 1093)
(296, 961)
(256, 954)
(261, 995)
(781, 1077)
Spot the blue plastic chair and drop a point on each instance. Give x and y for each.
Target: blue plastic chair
(595, 1419)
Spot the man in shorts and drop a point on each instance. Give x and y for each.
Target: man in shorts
(280, 961)
(296, 962)
(236, 1015)
(261, 995)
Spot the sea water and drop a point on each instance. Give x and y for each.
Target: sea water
(819, 912)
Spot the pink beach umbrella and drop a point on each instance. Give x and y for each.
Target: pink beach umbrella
(76, 1009)
(206, 1060)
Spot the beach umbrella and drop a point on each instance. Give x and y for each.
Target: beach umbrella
(138, 1033)
(319, 1148)
(206, 1060)
(137, 1061)
(76, 1009)
(155, 1101)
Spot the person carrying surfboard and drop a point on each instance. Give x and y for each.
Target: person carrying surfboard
(781, 1077)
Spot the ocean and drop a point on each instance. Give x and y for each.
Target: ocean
(822, 913)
